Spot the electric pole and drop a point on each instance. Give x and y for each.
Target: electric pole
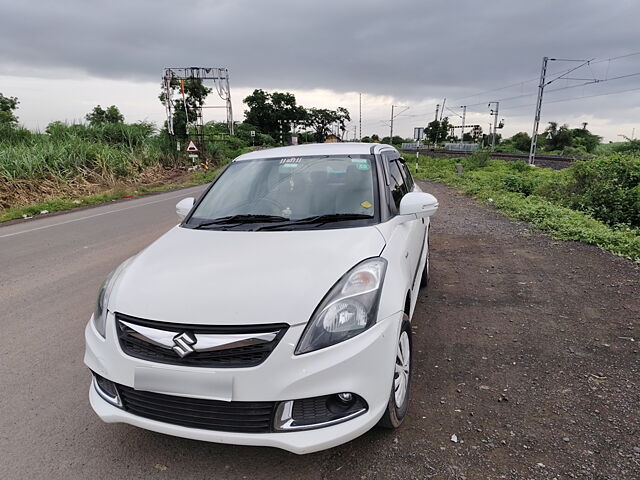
(394, 116)
(437, 108)
(360, 119)
(536, 119)
(495, 124)
(464, 113)
(391, 132)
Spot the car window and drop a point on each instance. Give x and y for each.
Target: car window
(396, 183)
(294, 188)
(408, 178)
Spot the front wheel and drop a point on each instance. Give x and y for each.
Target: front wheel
(399, 398)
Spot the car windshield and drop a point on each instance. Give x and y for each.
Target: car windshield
(290, 189)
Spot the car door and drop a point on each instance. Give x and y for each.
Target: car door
(408, 234)
(417, 228)
(420, 228)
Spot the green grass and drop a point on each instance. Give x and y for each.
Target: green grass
(70, 150)
(104, 155)
(533, 195)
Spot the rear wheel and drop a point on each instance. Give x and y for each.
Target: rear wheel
(399, 398)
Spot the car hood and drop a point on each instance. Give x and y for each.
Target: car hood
(213, 277)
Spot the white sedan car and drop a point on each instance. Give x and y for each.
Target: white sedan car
(278, 312)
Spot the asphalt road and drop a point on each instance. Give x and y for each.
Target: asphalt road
(524, 347)
(50, 270)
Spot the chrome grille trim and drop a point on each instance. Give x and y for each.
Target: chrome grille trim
(204, 342)
(197, 345)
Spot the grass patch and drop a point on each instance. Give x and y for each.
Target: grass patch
(545, 198)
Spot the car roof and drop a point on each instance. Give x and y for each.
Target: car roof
(338, 148)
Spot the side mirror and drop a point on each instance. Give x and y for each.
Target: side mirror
(183, 207)
(418, 203)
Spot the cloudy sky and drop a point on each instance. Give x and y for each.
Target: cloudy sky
(61, 58)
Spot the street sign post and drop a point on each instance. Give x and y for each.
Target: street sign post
(191, 147)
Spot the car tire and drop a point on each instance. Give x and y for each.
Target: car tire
(401, 385)
(424, 279)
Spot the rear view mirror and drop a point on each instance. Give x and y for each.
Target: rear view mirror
(418, 203)
(183, 207)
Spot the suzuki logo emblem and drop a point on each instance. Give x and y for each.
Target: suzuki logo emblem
(183, 344)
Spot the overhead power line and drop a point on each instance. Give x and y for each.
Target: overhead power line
(564, 71)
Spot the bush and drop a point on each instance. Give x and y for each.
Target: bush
(596, 202)
(607, 188)
(478, 159)
(519, 184)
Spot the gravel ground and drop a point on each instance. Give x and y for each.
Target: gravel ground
(526, 351)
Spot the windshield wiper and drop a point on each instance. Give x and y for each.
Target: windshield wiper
(241, 219)
(319, 220)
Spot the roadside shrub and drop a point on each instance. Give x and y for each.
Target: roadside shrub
(478, 159)
(518, 184)
(607, 188)
(596, 201)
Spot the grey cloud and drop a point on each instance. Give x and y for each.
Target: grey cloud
(406, 49)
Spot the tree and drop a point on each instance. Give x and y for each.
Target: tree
(521, 141)
(99, 116)
(584, 138)
(437, 131)
(557, 138)
(396, 140)
(188, 103)
(271, 112)
(7, 106)
(321, 119)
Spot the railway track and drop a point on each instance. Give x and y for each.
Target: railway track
(555, 162)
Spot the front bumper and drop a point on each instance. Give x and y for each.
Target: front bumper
(363, 365)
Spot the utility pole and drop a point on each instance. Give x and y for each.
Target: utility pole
(437, 108)
(394, 116)
(536, 120)
(391, 131)
(360, 119)
(495, 124)
(464, 113)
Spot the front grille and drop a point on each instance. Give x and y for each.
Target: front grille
(248, 355)
(245, 417)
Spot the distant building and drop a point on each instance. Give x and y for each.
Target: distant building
(462, 147)
(331, 138)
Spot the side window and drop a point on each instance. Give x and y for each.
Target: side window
(407, 176)
(396, 183)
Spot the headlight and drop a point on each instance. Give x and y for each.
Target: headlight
(349, 308)
(100, 313)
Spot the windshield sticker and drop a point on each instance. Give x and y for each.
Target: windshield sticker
(363, 166)
(366, 204)
(289, 165)
(292, 160)
(359, 160)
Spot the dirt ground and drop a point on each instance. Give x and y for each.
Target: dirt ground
(526, 349)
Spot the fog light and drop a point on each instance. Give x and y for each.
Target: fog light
(318, 412)
(106, 389)
(345, 397)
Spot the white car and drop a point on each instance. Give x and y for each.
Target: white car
(278, 312)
